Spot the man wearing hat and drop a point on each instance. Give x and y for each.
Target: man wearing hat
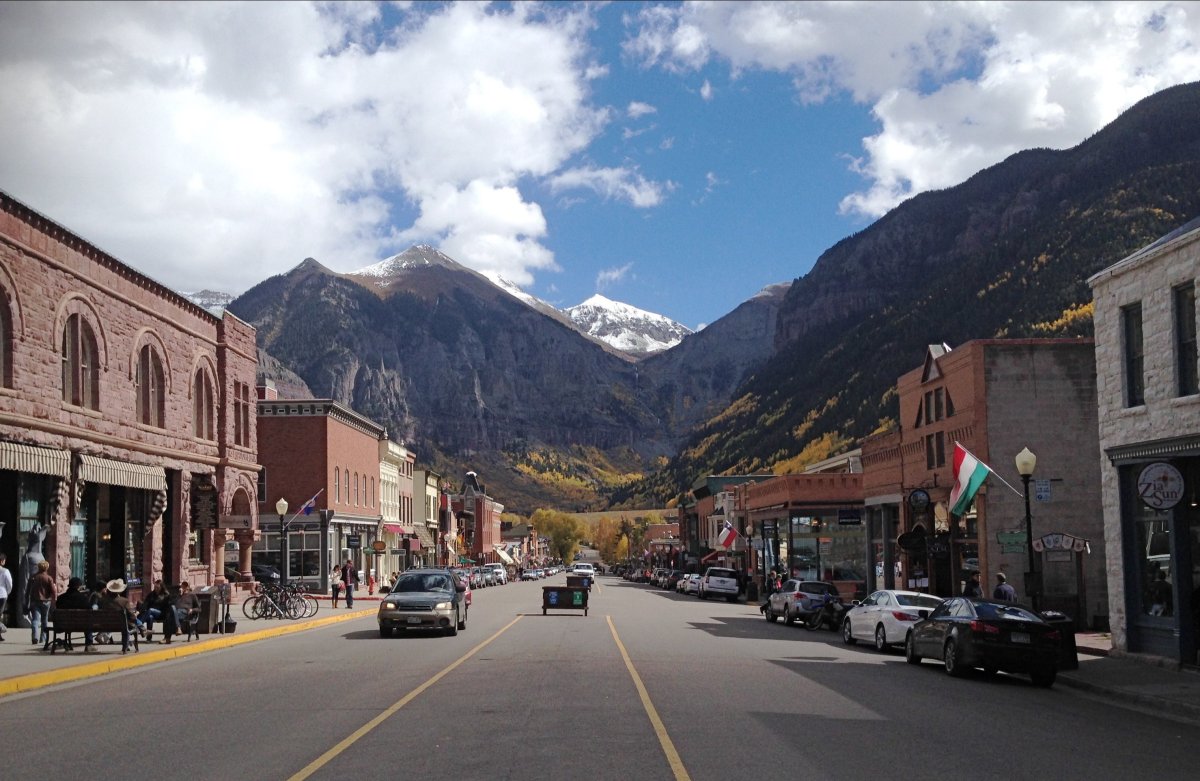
(114, 599)
(76, 598)
(1003, 592)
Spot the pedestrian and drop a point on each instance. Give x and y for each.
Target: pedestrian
(974, 589)
(76, 598)
(114, 599)
(349, 581)
(6, 586)
(335, 584)
(1003, 591)
(39, 595)
(184, 606)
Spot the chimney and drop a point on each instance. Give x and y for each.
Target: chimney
(266, 390)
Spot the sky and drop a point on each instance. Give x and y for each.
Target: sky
(678, 157)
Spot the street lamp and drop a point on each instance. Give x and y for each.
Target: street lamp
(281, 508)
(1026, 462)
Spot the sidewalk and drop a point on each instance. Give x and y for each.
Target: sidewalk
(1133, 682)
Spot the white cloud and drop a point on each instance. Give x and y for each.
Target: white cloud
(638, 109)
(611, 276)
(211, 145)
(955, 86)
(616, 183)
(706, 90)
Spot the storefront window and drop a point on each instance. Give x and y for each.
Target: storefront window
(1152, 554)
(304, 555)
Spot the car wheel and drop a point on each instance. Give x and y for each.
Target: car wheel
(910, 650)
(881, 643)
(385, 631)
(950, 658)
(1044, 677)
(847, 633)
(770, 614)
(463, 623)
(789, 617)
(452, 630)
(732, 598)
(702, 595)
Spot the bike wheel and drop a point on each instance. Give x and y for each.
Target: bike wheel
(294, 607)
(250, 607)
(311, 605)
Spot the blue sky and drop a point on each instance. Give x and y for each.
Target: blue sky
(678, 157)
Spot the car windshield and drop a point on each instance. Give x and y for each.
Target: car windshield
(917, 600)
(722, 573)
(433, 582)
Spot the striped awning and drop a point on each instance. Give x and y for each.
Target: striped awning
(94, 469)
(503, 554)
(38, 460)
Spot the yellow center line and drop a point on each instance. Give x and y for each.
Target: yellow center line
(664, 739)
(353, 737)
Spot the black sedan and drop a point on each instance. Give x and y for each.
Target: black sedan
(968, 633)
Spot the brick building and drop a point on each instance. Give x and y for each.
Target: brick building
(995, 397)
(478, 522)
(1148, 397)
(318, 448)
(127, 448)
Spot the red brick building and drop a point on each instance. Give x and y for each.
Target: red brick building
(478, 522)
(127, 441)
(321, 448)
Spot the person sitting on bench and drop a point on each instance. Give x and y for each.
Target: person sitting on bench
(186, 605)
(114, 599)
(76, 598)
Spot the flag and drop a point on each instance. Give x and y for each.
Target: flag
(727, 536)
(969, 474)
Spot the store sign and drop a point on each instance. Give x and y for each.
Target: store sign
(1061, 542)
(1011, 542)
(1161, 486)
(234, 522)
(849, 517)
(353, 540)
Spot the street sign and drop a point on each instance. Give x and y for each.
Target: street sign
(353, 540)
(1041, 490)
(849, 517)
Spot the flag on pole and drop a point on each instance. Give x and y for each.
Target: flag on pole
(727, 536)
(969, 474)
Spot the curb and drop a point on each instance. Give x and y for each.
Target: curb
(1159, 705)
(26, 683)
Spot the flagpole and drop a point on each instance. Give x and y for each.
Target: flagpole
(990, 470)
(306, 504)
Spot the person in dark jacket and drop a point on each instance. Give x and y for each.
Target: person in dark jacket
(1003, 591)
(184, 605)
(76, 598)
(39, 595)
(974, 589)
(155, 606)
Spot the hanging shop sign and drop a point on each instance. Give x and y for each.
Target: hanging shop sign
(1160, 486)
(1061, 542)
(1011, 542)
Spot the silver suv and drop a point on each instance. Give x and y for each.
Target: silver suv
(424, 599)
(719, 581)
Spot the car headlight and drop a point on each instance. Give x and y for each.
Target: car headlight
(387, 606)
(444, 606)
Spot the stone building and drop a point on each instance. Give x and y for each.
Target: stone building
(127, 442)
(1148, 396)
(995, 397)
(403, 546)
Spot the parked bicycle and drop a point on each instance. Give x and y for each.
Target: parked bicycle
(275, 601)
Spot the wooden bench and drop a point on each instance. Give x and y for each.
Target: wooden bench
(67, 621)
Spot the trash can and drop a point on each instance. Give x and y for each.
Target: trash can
(210, 610)
(1068, 654)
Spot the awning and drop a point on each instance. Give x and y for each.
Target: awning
(711, 555)
(103, 470)
(396, 528)
(38, 460)
(504, 556)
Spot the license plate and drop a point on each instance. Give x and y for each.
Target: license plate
(415, 620)
(1020, 637)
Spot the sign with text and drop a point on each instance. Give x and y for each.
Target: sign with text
(353, 540)
(1041, 490)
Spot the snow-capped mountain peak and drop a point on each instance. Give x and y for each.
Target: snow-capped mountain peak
(415, 256)
(212, 300)
(625, 327)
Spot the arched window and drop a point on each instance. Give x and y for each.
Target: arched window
(80, 369)
(202, 407)
(6, 350)
(356, 489)
(346, 480)
(337, 484)
(148, 383)
(372, 492)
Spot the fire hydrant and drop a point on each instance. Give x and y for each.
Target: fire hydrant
(370, 584)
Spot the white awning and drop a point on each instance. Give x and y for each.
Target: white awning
(38, 460)
(103, 470)
(504, 556)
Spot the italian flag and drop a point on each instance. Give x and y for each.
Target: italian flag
(969, 474)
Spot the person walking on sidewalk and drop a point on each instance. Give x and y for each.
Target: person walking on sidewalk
(973, 590)
(349, 581)
(40, 596)
(335, 584)
(1003, 591)
(6, 586)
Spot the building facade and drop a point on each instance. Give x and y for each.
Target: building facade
(319, 451)
(403, 548)
(127, 449)
(995, 397)
(1148, 399)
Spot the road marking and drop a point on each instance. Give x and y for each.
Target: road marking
(664, 739)
(353, 737)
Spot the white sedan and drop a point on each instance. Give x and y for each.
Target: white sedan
(691, 584)
(885, 617)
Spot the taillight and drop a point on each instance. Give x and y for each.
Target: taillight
(900, 616)
(985, 628)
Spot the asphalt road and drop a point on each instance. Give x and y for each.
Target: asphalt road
(649, 685)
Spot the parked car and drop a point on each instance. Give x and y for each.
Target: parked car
(798, 598)
(719, 581)
(424, 599)
(264, 573)
(500, 572)
(691, 584)
(464, 577)
(885, 617)
(529, 574)
(967, 633)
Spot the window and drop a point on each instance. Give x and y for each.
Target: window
(148, 385)
(80, 369)
(1185, 340)
(241, 414)
(337, 484)
(202, 407)
(937, 404)
(6, 331)
(346, 479)
(935, 450)
(356, 489)
(262, 485)
(1135, 381)
(928, 407)
(372, 504)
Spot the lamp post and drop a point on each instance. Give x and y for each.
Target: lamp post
(1026, 462)
(281, 508)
